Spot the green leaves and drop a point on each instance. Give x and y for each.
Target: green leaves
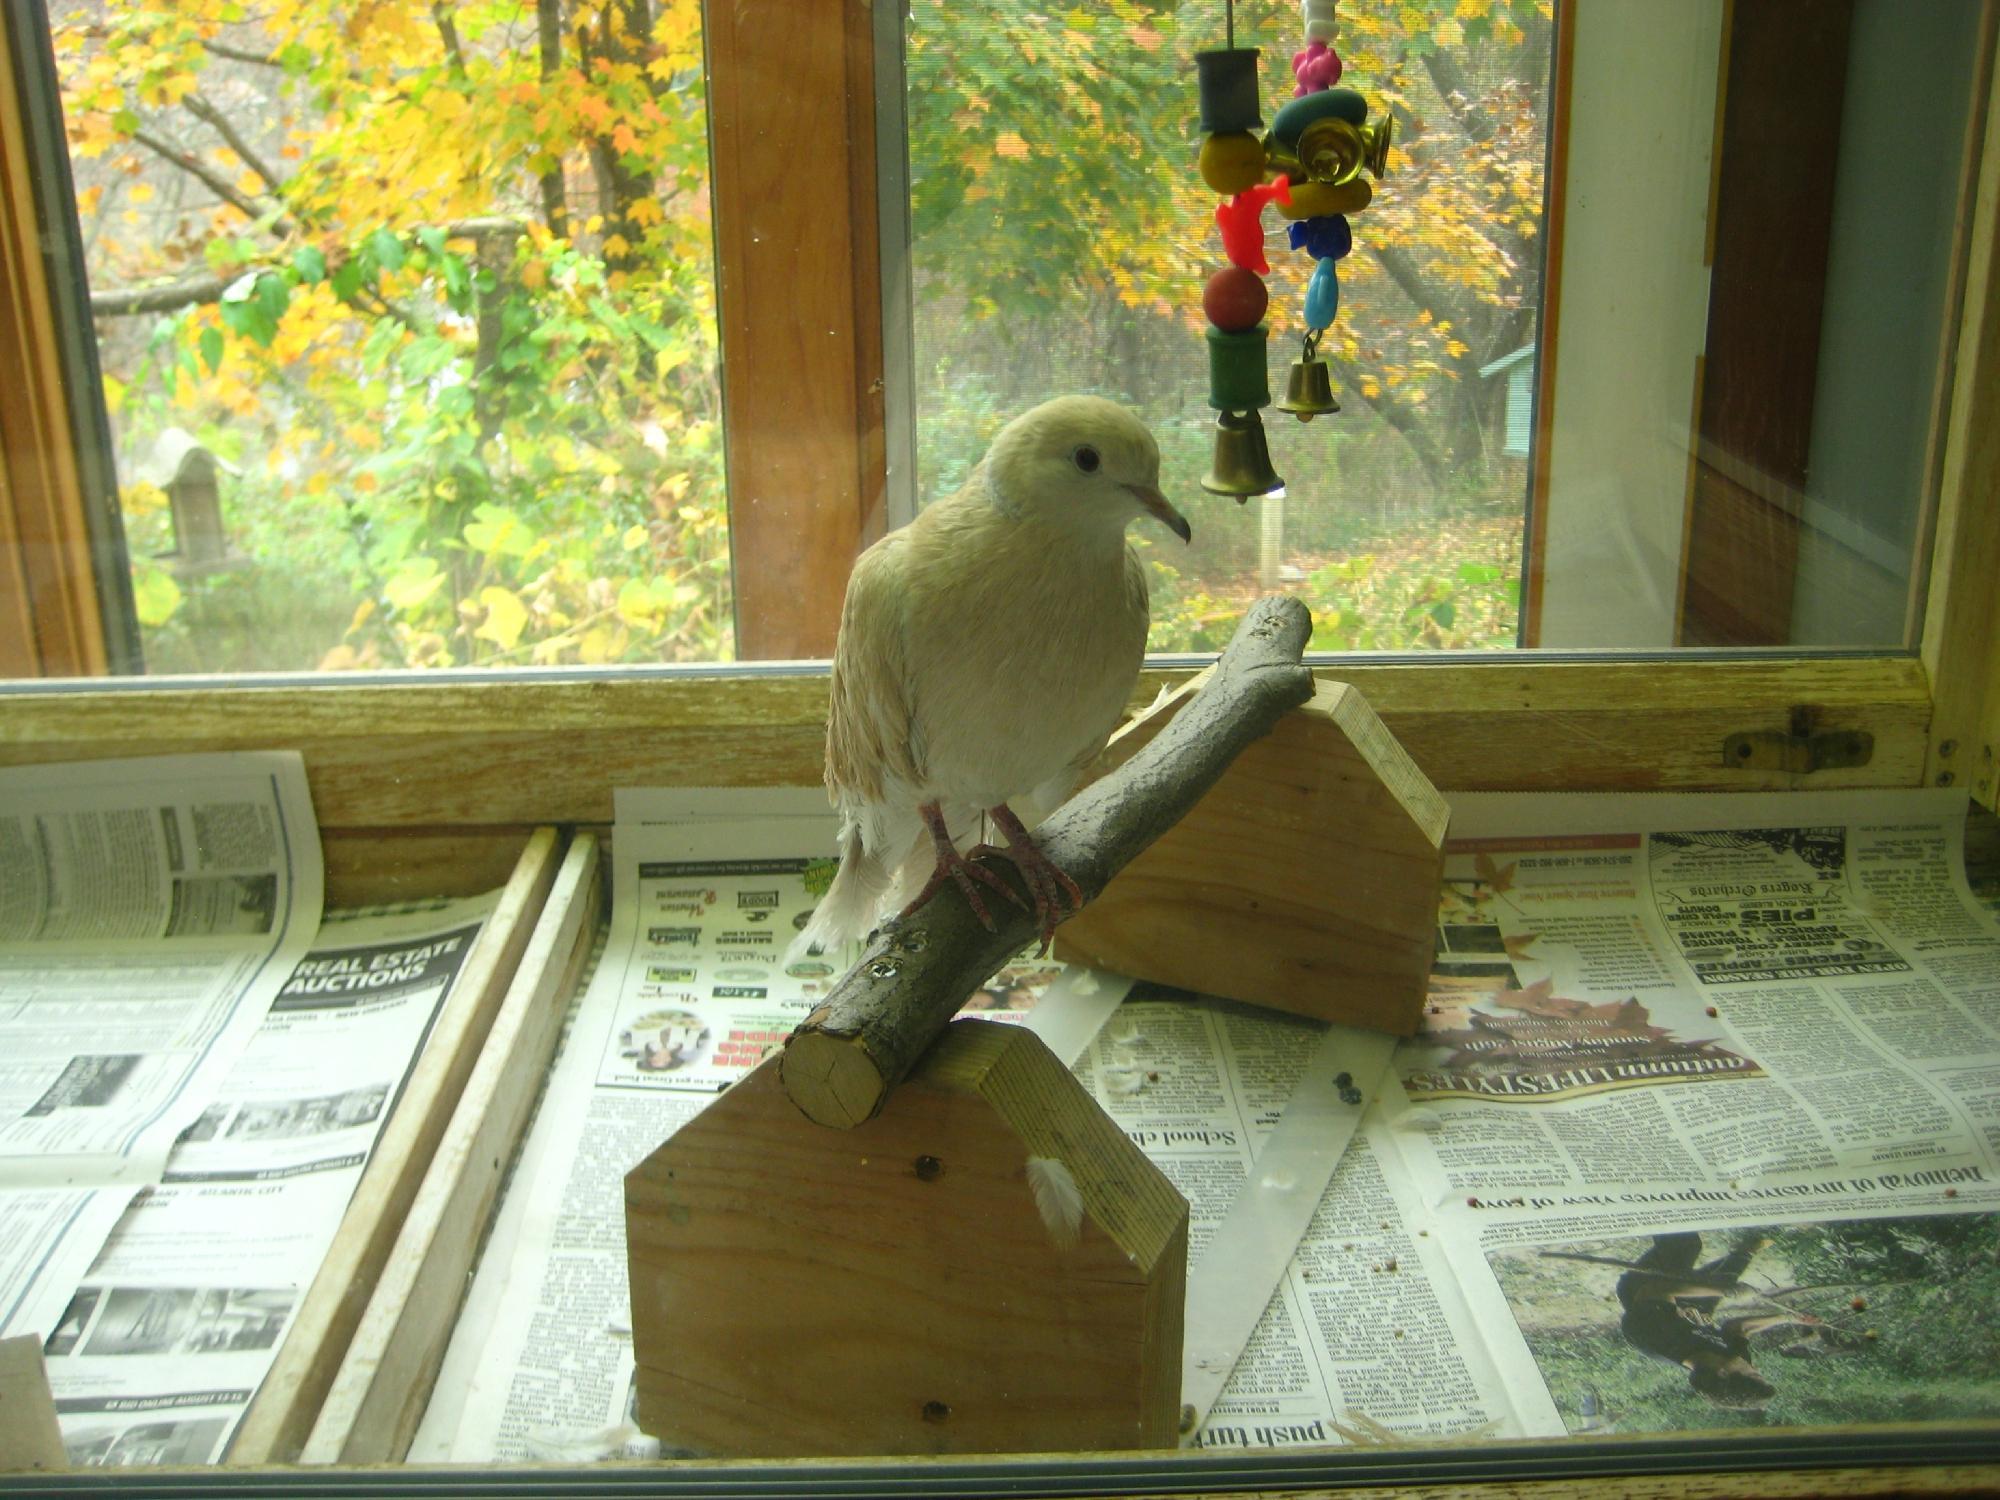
(252, 307)
(155, 595)
(444, 440)
(416, 581)
(499, 530)
(384, 250)
(506, 618)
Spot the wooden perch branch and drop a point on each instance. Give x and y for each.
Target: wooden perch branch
(845, 1057)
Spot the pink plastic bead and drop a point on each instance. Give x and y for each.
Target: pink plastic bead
(1316, 66)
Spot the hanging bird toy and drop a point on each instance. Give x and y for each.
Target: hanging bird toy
(1314, 154)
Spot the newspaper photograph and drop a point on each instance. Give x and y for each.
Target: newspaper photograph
(154, 1355)
(1701, 1108)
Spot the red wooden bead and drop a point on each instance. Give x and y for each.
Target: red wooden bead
(1235, 299)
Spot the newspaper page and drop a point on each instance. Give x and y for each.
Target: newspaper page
(149, 911)
(158, 1351)
(1362, 1320)
(1703, 1110)
(1718, 999)
(1570, 1042)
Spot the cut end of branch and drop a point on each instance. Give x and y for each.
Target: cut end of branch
(832, 1079)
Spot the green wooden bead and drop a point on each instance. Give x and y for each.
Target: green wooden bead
(1237, 379)
(1342, 104)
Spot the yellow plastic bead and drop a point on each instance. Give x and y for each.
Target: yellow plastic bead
(1233, 162)
(1315, 200)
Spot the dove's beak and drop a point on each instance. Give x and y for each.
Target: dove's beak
(1157, 506)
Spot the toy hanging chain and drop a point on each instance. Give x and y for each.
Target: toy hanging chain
(1318, 144)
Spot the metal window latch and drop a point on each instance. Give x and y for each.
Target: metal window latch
(1800, 750)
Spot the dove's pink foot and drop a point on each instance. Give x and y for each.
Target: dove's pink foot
(959, 868)
(1053, 891)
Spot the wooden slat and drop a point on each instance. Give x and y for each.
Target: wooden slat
(370, 866)
(1966, 1479)
(289, 1400)
(437, 755)
(799, 303)
(30, 1438)
(909, 1474)
(377, 1398)
(1785, 81)
(1548, 335)
(1961, 643)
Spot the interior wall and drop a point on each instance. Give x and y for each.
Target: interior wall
(1910, 74)
(1634, 289)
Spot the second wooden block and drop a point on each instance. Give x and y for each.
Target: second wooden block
(1306, 880)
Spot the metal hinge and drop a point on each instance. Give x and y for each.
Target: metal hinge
(1800, 750)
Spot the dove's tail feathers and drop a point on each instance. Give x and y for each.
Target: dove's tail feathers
(848, 910)
(1057, 1199)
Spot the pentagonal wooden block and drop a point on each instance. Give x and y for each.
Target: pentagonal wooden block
(893, 1289)
(1306, 880)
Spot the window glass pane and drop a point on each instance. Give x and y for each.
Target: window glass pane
(1062, 237)
(1642, 341)
(406, 318)
(405, 315)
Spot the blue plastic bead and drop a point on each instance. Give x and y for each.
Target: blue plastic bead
(1322, 295)
(1327, 237)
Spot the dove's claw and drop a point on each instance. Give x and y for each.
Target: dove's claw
(1057, 897)
(960, 869)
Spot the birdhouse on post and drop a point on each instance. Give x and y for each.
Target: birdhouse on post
(190, 475)
(988, 1265)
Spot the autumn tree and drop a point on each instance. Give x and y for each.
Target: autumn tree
(434, 277)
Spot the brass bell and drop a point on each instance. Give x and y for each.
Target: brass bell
(1309, 389)
(1376, 139)
(1242, 464)
(1332, 150)
(1335, 150)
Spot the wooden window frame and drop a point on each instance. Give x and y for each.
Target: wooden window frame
(443, 776)
(447, 756)
(53, 579)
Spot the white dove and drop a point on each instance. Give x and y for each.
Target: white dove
(986, 653)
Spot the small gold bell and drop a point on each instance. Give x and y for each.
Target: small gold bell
(1242, 464)
(1376, 139)
(1332, 150)
(1309, 389)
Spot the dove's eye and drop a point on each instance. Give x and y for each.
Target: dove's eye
(1086, 459)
